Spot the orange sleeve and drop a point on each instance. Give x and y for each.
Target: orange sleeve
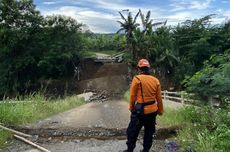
(159, 99)
(133, 94)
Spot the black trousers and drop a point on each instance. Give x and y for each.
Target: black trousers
(135, 125)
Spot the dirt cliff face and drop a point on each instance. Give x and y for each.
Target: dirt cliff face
(111, 77)
(90, 69)
(92, 76)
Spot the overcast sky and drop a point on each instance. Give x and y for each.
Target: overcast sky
(102, 15)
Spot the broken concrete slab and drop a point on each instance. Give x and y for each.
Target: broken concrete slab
(86, 96)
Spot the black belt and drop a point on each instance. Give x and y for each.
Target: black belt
(148, 103)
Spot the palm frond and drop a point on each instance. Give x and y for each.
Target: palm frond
(165, 22)
(122, 16)
(135, 18)
(122, 29)
(122, 24)
(157, 23)
(147, 16)
(142, 17)
(137, 24)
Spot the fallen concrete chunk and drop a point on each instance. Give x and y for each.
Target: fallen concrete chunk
(86, 96)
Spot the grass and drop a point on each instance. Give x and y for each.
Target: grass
(171, 117)
(127, 95)
(204, 129)
(92, 53)
(88, 54)
(109, 52)
(4, 135)
(32, 108)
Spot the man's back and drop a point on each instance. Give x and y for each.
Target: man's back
(151, 91)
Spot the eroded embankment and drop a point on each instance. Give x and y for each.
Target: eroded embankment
(69, 134)
(95, 139)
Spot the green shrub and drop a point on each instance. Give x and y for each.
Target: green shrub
(206, 130)
(213, 79)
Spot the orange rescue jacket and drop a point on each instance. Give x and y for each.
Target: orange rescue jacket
(151, 91)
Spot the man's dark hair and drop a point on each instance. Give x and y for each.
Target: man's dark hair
(144, 70)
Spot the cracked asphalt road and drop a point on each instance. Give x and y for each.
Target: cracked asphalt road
(110, 115)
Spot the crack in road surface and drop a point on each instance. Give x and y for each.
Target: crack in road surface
(93, 127)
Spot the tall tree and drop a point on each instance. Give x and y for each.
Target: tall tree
(33, 48)
(62, 44)
(129, 25)
(19, 21)
(143, 35)
(192, 39)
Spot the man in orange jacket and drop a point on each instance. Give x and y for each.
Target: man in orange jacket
(145, 103)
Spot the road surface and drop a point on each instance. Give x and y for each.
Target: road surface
(90, 120)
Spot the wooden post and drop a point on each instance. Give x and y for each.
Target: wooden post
(31, 143)
(14, 131)
(182, 97)
(211, 101)
(166, 95)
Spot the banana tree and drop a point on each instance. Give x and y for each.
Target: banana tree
(145, 44)
(129, 25)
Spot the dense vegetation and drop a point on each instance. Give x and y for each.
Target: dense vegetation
(36, 48)
(194, 55)
(175, 52)
(104, 42)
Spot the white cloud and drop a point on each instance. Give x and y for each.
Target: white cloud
(190, 4)
(113, 6)
(200, 4)
(177, 8)
(219, 10)
(101, 15)
(179, 17)
(224, 2)
(50, 2)
(98, 22)
(220, 18)
(93, 16)
(227, 14)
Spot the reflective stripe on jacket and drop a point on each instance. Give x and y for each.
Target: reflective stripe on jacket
(151, 91)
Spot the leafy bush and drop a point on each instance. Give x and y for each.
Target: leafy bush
(207, 129)
(213, 79)
(34, 47)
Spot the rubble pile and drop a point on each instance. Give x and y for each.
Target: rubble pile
(95, 96)
(99, 96)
